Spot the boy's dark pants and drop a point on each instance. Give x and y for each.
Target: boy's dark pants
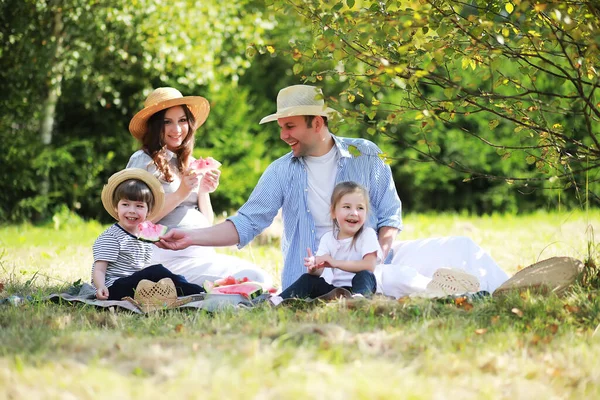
(126, 286)
(312, 286)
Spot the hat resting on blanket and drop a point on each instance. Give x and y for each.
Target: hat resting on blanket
(152, 296)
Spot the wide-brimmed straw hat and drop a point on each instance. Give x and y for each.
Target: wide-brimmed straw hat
(553, 275)
(300, 100)
(152, 296)
(133, 173)
(163, 98)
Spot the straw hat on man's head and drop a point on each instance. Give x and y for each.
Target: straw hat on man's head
(138, 174)
(163, 98)
(300, 100)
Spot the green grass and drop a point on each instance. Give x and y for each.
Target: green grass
(521, 346)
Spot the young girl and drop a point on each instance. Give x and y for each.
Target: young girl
(350, 255)
(347, 255)
(131, 196)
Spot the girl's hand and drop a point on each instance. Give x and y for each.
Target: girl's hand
(210, 181)
(324, 261)
(309, 262)
(316, 262)
(102, 293)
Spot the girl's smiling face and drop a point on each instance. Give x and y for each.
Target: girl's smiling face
(131, 213)
(350, 213)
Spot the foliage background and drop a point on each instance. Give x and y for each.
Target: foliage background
(73, 72)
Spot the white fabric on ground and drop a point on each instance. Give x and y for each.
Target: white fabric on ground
(198, 264)
(415, 261)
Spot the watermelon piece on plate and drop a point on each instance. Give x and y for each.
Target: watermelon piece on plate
(203, 165)
(249, 290)
(149, 232)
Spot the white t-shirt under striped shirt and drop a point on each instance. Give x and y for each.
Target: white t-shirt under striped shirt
(123, 251)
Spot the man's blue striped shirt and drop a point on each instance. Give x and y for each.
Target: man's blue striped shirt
(284, 185)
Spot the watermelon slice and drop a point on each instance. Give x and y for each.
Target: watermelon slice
(149, 232)
(203, 165)
(250, 290)
(228, 280)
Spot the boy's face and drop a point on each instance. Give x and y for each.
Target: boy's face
(131, 213)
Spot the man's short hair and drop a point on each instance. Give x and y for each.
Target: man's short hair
(309, 120)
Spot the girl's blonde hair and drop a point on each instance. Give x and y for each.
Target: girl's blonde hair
(339, 191)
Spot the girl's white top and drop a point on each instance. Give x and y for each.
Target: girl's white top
(344, 250)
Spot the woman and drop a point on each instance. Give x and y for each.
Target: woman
(166, 127)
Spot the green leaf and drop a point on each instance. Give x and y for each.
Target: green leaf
(350, 3)
(298, 68)
(493, 123)
(354, 151)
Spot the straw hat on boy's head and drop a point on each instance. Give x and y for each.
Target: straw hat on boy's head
(300, 100)
(138, 174)
(163, 98)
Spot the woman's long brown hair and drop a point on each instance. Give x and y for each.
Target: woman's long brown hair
(153, 143)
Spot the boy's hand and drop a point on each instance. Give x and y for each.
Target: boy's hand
(102, 293)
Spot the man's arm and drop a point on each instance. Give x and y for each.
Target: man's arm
(223, 234)
(386, 237)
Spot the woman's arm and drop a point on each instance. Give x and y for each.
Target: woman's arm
(208, 184)
(141, 159)
(368, 263)
(172, 200)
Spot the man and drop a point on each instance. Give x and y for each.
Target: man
(301, 182)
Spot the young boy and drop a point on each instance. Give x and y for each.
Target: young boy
(131, 196)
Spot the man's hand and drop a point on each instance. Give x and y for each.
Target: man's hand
(175, 239)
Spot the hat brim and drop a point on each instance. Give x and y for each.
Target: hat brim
(553, 275)
(198, 105)
(133, 173)
(300, 110)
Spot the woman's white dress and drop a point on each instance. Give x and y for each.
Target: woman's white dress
(196, 263)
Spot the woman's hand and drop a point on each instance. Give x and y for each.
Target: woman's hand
(102, 293)
(189, 182)
(210, 181)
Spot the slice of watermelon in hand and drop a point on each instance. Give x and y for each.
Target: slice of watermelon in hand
(149, 232)
(203, 165)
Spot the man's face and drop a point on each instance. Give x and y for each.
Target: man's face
(304, 141)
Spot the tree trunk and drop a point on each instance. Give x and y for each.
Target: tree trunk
(49, 105)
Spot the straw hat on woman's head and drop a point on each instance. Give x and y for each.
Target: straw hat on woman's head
(163, 98)
(138, 174)
(300, 100)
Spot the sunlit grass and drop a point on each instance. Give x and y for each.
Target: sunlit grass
(515, 347)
